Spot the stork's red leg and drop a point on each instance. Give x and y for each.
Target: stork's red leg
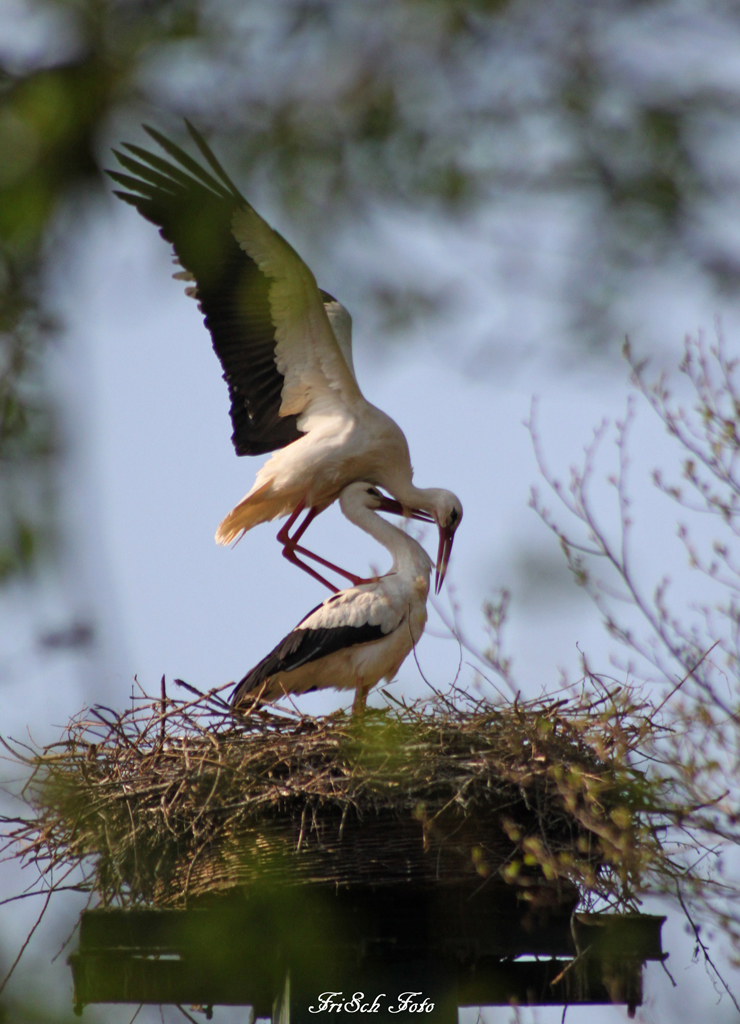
(293, 543)
(290, 554)
(291, 548)
(289, 544)
(284, 531)
(359, 704)
(355, 580)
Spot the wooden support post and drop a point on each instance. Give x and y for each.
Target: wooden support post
(453, 954)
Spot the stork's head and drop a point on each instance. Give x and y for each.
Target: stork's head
(446, 510)
(430, 504)
(433, 505)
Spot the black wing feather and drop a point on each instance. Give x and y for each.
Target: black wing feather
(140, 169)
(301, 647)
(160, 164)
(194, 211)
(190, 165)
(145, 188)
(205, 149)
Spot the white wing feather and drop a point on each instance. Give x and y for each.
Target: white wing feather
(355, 607)
(306, 351)
(341, 324)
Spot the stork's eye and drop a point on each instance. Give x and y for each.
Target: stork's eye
(375, 494)
(454, 516)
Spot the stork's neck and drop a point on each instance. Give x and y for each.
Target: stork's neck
(411, 497)
(408, 555)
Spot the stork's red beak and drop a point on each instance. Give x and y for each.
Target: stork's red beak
(397, 509)
(446, 537)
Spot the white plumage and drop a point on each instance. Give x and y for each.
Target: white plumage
(286, 350)
(359, 635)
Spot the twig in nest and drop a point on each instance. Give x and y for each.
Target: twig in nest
(22, 950)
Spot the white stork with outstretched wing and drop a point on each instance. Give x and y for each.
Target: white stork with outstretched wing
(286, 351)
(359, 635)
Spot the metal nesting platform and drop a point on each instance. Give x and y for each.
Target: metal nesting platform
(304, 954)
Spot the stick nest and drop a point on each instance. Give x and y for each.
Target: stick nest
(173, 801)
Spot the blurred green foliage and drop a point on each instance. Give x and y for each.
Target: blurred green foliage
(53, 106)
(342, 105)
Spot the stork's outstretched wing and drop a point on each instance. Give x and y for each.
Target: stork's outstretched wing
(261, 303)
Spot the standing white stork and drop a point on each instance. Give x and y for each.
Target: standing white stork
(286, 351)
(359, 635)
